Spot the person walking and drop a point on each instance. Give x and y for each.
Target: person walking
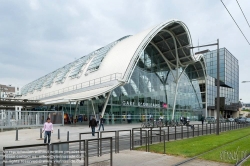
(161, 118)
(129, 118)
(151, 119)
(48, 128)
(101, 123)
(97, 119)
(93, 125)
(181, 119)
(202, 119)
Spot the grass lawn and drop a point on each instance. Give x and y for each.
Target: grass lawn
(231, 153)
(247, 163)
(197, 145)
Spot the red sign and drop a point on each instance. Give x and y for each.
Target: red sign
(164, 105)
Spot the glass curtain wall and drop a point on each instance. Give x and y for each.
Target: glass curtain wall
(229, 79)
(151, 91)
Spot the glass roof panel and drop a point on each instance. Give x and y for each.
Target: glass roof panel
(40, 83)
(50, 78)
(114, 94)
(124, 91)
(76, 69)
(101, 53)
(33, 85)
(63, 72)
(134, 86)
(25, 89)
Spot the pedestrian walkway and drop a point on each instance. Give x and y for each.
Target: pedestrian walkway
(124, 158)
(32, 136)
(138, 158)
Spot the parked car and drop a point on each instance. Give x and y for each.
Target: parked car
(248, 120)
(230, 119)
(242, 120)
(222, 120)
(236, 119)
(210, 119)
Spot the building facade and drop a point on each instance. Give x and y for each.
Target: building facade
(245, 106)
(8, 92)
(229, 82)
(151, 73)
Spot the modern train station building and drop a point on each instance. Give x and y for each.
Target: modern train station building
(150, 73)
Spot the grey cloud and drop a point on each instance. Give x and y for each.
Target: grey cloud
(37, 37)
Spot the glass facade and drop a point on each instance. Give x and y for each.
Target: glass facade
(229, 80)
(152, 86)
(161, 74)
(151, 91)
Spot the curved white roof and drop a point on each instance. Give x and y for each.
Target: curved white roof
(111, 66)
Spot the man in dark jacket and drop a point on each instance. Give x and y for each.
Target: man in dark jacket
(102, 120)
(202, 119)
(93, 125)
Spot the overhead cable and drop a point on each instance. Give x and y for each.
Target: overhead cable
(243, 14)
(235, 22)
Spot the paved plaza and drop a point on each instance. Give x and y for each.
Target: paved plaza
(124, 158)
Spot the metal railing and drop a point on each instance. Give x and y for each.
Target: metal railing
(68, 152)
(79, 86)
(180, 132)
(99, 150)
(121, 139)
(84, 152)
(106, 157)
(22, 119)
(20, 155)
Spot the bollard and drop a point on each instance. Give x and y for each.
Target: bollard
(175, 132)
(68, 136)
(132, 146)
(202, 130)
(181, 131)
(160, 134)
(198, 129)
(16, 134)
(141, 136)
(58, 137)
(210, 128)
(168, 133)
(151, 140)
(206, 128)
(193, 130)
(148, 141)
(40, 133)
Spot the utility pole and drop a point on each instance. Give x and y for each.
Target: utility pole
(218, 89)
(218, 83)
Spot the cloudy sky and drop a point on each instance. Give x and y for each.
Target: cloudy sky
(38, 37)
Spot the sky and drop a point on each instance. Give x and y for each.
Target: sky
(40, 36)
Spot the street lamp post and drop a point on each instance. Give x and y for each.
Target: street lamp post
(218, 89)
(218, 83)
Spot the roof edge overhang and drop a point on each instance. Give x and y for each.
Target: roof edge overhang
(87, 97)
(144, 43)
